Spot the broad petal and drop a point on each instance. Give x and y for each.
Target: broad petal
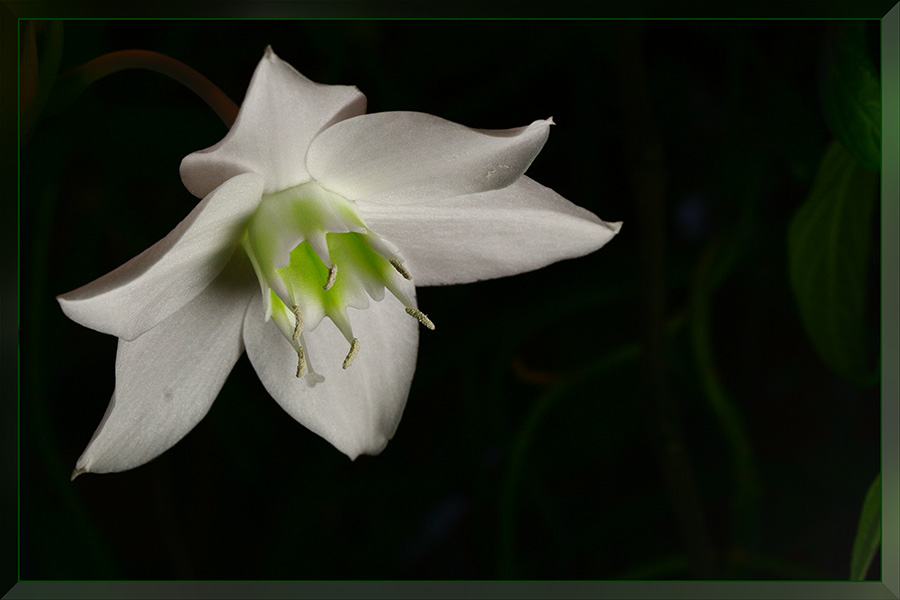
(407, 157)
(357, 409)
(282, 112)
(167, 379)
(152, 286)
(492, 234)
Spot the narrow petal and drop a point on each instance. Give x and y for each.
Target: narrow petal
(492, 234)
(167, 379)
(282, 112)
(406, 157)
(153, 285)
(357, 409)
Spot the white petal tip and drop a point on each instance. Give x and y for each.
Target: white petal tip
(550, 121)
(614, 227)
(269, 52)
(373, 449)
(78, 471)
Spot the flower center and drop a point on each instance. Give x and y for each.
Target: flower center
(315, 257)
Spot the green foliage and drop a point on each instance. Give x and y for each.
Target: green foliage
(828, 248)
(851, 93)
(868, 534)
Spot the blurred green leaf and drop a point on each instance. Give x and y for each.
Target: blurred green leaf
(868, 535)
(828, 248)
(851, 93)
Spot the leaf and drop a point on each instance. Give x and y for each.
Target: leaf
(851, 93)
(828, 253)
(868, 535)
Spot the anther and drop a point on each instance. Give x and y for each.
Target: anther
(354, 348)
(301, 362)
(424, 320)
(401, 269)
(332, 275)
(298, 323)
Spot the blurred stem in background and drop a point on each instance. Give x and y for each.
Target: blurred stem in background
(74, 81)
(36, 356)
(39, 57)
(550, 400)
(530, 318)
(647, 174)
(45, 94)
(712, 268)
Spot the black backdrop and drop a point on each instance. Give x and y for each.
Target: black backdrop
(524, 451)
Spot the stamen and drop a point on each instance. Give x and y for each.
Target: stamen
(354, 348)
(332, 275)
(301, 362)
(298, 322)
(401, 269)
(424, 320)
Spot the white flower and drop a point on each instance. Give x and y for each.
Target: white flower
(328, 207)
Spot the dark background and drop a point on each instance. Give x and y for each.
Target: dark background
(528, 447)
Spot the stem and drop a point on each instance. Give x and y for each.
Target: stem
(35, 418)
(76, 80)
(647, 172)
(722, 253)
(548, 401)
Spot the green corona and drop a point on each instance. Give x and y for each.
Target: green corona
(315, 257)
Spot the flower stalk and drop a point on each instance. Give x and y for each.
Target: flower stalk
(74, 81)
(647, 173)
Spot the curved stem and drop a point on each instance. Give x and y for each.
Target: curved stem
(712, 266)
(548, 401)
(76, 80)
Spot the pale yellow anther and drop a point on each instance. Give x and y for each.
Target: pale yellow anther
(332, 275)
(401, 269)
(354, 348)
(301, 362)
(424, 320)
(298, 322)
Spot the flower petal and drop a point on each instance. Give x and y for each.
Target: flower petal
(281, 114)
(357, 409)
(150, 287)
(407, 157)
(167, 379)
(492, 234)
